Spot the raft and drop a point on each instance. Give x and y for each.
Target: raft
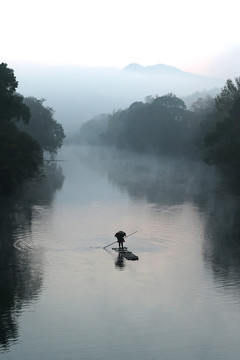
(126, 254)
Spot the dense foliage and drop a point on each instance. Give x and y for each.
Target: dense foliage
(11, 104)
(161, 125)
(92, 130)
(20, 155)
(223, 142)
(42, 126)
(227, 98)
(21, 152)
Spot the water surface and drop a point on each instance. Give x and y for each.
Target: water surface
(64, 297)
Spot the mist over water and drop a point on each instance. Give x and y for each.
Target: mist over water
(68, 298)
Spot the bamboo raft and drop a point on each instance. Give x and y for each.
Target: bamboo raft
(126, 254)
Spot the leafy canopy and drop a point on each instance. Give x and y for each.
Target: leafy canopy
(20, 155)
(11, 104)
(42, 126)
(223, 142)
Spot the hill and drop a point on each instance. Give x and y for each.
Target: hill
(159, 69)
(78, 94)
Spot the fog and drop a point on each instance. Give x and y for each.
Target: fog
(77, 94)
(159, 180)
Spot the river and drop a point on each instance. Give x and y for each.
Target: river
(63, 297)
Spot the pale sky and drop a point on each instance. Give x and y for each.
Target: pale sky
(196, 36)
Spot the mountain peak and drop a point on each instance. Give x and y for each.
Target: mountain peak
(158, 69)
(134, 67)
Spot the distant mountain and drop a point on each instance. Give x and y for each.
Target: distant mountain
(78, 94)
(159, 69)
(134, 67)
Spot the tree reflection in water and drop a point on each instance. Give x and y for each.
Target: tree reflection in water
(221, 248)
(158, 180)
(21, 273)
(171, 181)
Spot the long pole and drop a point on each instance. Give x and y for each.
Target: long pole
(116, 240)
(131, 234)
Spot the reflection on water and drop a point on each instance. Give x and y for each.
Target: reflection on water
(120, 261)
(170, 182)
(21, 272)
(65, 297)
(164, 181)
(222, 239)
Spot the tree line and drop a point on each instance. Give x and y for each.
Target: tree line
(27, 130)
(163, 125)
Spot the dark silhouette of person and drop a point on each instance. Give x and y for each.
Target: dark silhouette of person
(120, 238)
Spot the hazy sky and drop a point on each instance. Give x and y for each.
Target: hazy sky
(196, 36)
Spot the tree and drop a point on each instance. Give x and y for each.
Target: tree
(223, 143)
(149, 99)
(42, 126)
(20, 156)
(11, 104)
(224, 102)
(203, 120)
(92, 130)
(170, 101)
(203, 106)
(161, 125)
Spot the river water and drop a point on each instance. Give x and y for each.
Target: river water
(63, 297)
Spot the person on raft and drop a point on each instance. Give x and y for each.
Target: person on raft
(120, 238)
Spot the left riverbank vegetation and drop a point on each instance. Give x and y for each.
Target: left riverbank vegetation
(209, 130)
(27, 130)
